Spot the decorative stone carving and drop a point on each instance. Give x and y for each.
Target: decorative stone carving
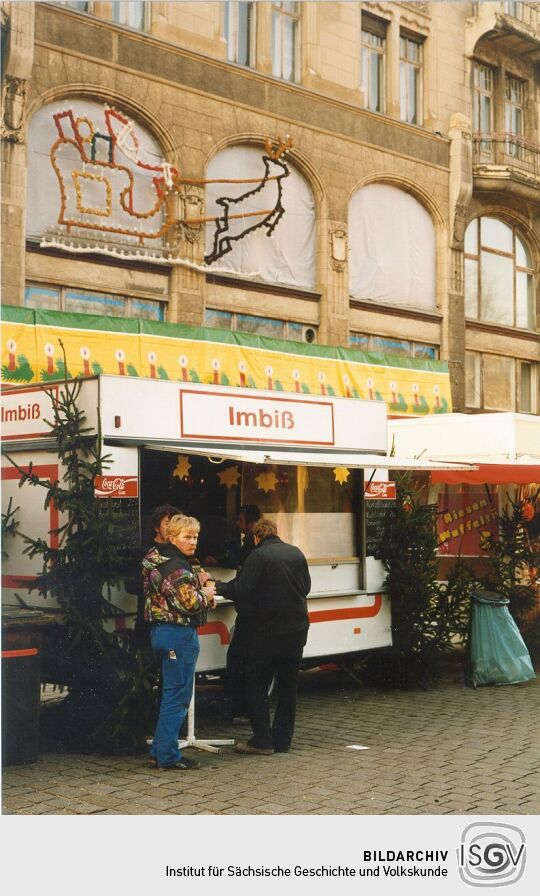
(13, 105)
(338, 247)
(191, 199)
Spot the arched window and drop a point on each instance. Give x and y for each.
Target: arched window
(499, 286)
(392, 248)
(94, 175)
(270, 232)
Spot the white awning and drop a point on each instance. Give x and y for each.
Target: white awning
(310, 459)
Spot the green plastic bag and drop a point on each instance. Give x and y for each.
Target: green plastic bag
(497, 652)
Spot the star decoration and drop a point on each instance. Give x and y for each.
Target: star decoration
(267, 481)
(341, 474)
(229, 476)
(183, 466)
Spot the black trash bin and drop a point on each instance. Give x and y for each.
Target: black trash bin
(21, 681)
(497, 652)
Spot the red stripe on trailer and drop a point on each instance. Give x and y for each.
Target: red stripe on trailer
(12, 654)
(347, 613)
(216, 628)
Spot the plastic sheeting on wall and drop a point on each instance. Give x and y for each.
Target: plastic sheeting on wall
(288, 254)
(92, 172)
(392, 248)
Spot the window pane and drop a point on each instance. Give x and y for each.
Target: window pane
(485, 114)
(146, 310)
(495, 234)
(472, 380)
(220, 319)
(429, 352)
(471, 288)
(403, 91)
(295, 331)
(390, 346)
(498, 375)
(471, 238)
(43, 297)
(244, 29)
(526, 388)
(364, 77)
(312, 509)
(259, 326)
(497, 289)
(524, 300)
(289, 31)
(276, 44)
(94, 303)
(413, 95)
(523, 258)
(135, 13)
(359, 341)
(375, 83)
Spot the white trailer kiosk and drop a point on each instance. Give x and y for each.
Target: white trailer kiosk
(305, 460)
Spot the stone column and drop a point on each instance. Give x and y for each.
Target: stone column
(187, 284)
(392, 65)
(19, 20)
(333, 282)
(461, 188)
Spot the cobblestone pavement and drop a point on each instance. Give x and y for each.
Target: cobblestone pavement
(451, 750)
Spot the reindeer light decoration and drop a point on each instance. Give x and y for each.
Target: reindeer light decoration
(231, 227)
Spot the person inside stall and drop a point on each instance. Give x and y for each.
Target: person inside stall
(176, 602)
(235, 681)
(270, 596)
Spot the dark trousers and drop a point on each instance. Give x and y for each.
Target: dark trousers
(280, 656)
(237, 658)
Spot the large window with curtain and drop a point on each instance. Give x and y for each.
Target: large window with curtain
(282, 254)
(392, 248)
(499, 275)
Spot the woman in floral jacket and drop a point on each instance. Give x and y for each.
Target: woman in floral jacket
(176, 602)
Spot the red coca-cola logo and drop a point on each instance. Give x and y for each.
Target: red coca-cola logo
(383, 491)
(116, 487)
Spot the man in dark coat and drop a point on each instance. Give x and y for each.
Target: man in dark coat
(235, 683)
(270, 598)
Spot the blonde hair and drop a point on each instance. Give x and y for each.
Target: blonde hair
(181, 523)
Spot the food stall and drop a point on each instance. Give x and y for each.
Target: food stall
(310, 462)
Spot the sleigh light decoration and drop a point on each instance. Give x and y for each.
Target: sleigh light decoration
(114, 191)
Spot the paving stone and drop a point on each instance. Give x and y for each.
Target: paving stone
(428, 754)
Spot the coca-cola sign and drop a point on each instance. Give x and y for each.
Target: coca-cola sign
(116, 486)
(380, 491)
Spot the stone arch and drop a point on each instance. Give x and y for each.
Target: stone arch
(409, 186)
(299, 160)
(98, 93)
(513, 218)
(427, 292)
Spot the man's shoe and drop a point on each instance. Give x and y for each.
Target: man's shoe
(183, 765)
(243, 746)
(281, 749)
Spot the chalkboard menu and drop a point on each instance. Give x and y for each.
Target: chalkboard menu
(376, 514)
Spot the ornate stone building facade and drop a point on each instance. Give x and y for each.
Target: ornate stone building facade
(408, 217)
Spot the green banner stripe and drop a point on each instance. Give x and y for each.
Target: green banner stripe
(16, 315)
(62, 319)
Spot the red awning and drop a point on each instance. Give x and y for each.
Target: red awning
(491, 474)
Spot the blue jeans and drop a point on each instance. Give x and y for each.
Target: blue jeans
(177, 676)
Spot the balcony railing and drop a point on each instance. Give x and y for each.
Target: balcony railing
(527, 13)
(508, 150)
